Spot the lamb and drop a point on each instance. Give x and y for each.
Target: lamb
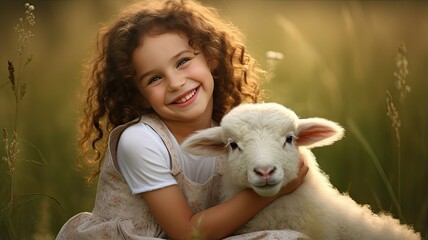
(262, 145)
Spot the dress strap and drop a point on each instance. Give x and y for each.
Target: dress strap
(162, 130)
(113, 140)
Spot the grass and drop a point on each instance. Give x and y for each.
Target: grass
(13, 143)
(370, 151)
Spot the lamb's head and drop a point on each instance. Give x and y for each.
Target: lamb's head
(261, 144)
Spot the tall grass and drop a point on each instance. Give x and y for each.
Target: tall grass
(18, 86)
(392, 112)
(13, 142)
(380, 169)
(403, 89)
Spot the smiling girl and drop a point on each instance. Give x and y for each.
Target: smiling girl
(164, 70)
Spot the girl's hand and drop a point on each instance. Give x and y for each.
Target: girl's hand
(295, 183)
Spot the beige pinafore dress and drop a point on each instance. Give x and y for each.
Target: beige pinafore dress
(119, 214)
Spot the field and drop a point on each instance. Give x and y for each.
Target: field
(363, 64)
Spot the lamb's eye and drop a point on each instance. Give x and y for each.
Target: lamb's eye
(289, 139)
(233, 145)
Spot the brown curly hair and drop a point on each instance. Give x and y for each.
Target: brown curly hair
(112, 98)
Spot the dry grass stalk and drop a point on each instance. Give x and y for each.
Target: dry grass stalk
(23, 28)
(392, 112)
(402, 71)
(11, 148)
(272, 59)
(11, 145)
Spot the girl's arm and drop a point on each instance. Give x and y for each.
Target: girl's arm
(171, 211)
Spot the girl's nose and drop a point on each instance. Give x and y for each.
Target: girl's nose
(176, 82)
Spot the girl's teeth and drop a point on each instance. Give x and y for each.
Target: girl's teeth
(187, 97)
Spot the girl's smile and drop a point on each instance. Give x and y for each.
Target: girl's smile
(186, 98)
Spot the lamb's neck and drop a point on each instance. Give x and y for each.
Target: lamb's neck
(229, 186)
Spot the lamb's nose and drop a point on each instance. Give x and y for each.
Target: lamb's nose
(264, 172)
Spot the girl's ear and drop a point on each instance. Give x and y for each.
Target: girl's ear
(317, 132)
(144, 103)
(212, 65)
(205, 142)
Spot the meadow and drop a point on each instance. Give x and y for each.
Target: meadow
(363, 64)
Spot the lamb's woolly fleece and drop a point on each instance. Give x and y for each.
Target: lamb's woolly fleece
(263, 144)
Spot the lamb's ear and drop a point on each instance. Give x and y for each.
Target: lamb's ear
(205, 142)
(316, 132)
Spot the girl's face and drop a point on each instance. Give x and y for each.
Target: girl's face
(174, 80)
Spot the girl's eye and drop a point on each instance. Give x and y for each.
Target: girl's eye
(153, 79)
(182, 61)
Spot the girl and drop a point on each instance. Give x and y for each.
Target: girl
(164, 70)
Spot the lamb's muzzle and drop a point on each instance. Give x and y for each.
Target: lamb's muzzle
(265, 173)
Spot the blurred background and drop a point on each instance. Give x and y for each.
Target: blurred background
(342, 60)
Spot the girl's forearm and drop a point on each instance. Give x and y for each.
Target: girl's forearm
(224, 219)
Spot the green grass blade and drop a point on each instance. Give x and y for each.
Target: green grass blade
(354, 129)
(21, 200)
(42, 161)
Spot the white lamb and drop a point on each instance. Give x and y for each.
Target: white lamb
(263, 144)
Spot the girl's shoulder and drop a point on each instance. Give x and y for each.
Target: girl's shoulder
(140, 134)
(143, 159)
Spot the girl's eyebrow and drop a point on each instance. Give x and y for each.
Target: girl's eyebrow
(174, 57)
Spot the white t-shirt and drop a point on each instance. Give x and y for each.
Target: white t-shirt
(145, 164)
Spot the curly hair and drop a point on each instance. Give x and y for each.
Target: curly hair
(112, 98)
